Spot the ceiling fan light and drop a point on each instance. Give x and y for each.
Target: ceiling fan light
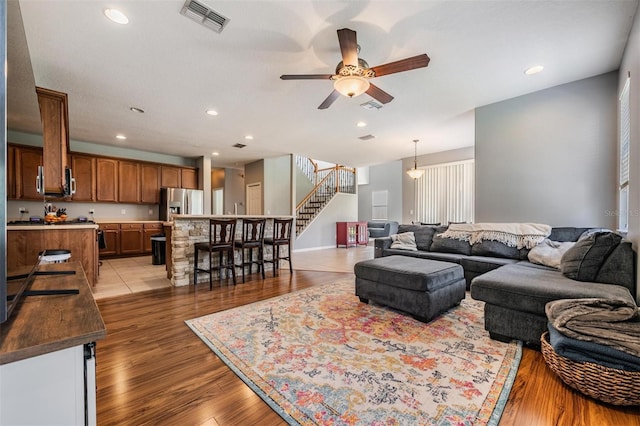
(351, 85)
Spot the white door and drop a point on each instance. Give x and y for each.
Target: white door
(254, 198)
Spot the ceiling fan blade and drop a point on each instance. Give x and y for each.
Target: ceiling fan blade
(414, 62)
(379, 94)
(330, 99)
(348, 46)
(306, 76)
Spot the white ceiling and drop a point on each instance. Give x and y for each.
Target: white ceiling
(175, 69)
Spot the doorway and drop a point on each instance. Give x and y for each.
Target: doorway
(254, 198)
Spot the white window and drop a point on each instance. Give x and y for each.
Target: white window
(445, 193)
(379, 205)
(625, 137)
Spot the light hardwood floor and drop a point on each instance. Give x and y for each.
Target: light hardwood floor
(151, 369)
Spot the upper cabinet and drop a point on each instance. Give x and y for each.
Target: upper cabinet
(84, 171)
(107, 179)
(128, 182)
(102, 179)
(55, 136)
(150, 183)
(170, 177)
(189, 178)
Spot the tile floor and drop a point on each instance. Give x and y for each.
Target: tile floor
(133, 274)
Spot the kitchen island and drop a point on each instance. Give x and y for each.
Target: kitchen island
(25, 241)
(46, 352)
(185, 230)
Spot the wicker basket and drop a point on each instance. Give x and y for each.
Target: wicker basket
(618, 387)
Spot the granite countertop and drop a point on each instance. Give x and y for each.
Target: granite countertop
(58, 226)
(229, 216)
(125, 221)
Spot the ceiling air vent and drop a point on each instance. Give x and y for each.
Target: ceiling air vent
(239, 145)
(204, 15)
(366, 137)
(371, 105)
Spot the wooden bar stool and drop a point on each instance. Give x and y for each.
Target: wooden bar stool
(281, 237)
(252, 238)
(221, 236)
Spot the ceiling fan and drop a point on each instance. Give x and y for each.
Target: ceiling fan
(353, 73)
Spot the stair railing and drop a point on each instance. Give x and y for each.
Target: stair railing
(308, 167)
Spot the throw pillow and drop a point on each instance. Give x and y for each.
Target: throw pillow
(583, 261)
(549, 253)
(404, 241)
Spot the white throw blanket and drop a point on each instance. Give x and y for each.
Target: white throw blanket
(519, 235)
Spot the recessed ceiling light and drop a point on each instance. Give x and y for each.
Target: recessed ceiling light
(249, 137)
(215, 153)
(116, 16)
(121, 137)
(138, 110)
(534, 70)
(212, 112)
(361, 124)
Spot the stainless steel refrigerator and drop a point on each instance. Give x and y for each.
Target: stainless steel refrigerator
(180, 201)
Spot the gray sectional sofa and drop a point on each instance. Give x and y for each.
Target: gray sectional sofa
(515, 291)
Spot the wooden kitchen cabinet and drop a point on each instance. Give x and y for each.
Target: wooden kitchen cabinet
(55, 136)
(11, 172)
(189, 178)
(131, 235)
(27, 162)
(150, 229)
(150, 183)
(170, 177)
(106, 179)
(128, 182)
(111, 235)
(84, 172)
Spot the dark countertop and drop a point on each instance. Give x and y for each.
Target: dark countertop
(44, 324)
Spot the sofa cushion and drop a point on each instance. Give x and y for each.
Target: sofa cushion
(423, 235)
(494, 249)
(482, 264)
(619, 267)
(404, 241)
(449, 245)
(528, 289)
(549, 253)
(583, 261)
(566, 233)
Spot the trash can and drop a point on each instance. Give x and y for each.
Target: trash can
(158, 247)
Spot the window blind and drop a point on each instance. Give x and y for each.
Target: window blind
(445, 193)
(625, 138)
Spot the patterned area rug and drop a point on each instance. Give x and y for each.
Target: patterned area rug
(319, 356)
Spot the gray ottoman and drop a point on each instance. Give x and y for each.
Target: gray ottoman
(422, 287)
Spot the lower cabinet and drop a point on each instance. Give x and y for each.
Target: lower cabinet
(131, 238)
(55, 388)
(351, 234)
(128, 239)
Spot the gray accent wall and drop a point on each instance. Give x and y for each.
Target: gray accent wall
(631, 64)
(550, 156)
(382, 177)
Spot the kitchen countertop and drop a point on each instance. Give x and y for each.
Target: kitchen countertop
(99, 221)
(230, 216)
(59, 226)
(44, 324)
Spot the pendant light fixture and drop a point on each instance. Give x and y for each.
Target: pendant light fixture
(415, 173)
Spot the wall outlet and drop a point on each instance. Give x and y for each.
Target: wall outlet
(123, 211)
(150, 212)
(91, 211)
(22, 210)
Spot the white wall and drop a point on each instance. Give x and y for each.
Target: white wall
(382, 177)
(550, 156)
(321, 233)
(408, 184)
(631, 64)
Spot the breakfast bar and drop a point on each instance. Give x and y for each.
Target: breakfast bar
(186, 230)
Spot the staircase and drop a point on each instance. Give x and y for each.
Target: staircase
(329, 182)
